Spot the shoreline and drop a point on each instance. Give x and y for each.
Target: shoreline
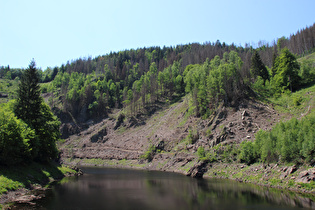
(272, 176)
(27, 195)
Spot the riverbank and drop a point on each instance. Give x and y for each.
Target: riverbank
(287, 177)
(24, 184)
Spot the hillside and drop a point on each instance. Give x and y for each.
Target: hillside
(170, 136)
(168, 129)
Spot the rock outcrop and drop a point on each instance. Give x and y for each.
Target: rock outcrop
(306, 176)
(198, 170)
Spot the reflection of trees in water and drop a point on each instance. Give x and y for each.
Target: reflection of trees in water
(202, 193)
(251, 194)
(156, 190)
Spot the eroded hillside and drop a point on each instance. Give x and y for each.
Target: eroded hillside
(168, 130)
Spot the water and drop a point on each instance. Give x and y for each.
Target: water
(107, 188)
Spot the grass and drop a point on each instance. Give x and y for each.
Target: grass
(13, 178)
(8, 87)
(310, 57)
(297, 103)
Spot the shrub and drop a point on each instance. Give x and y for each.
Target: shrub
(201, 152)
(247, 152)
(148, 155)
(193, 136)
(14, 140)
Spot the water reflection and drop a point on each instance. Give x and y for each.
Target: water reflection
(103, 188)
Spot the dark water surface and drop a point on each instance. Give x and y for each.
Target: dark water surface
(108, 188)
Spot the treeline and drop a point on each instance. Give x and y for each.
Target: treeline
(12, 73)
(211, 72)
(120, 63)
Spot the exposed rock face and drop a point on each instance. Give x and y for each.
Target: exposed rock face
(198, 170)
(287, 171)
(120, 121)
(67, 129)
(99, 136)
(306, 176)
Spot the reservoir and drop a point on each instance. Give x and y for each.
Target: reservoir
(110, 188)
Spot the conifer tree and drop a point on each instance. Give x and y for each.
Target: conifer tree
(27, 107)
(258, 68)
(286, 71)
(31, 108)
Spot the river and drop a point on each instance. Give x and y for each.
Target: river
(110, 188)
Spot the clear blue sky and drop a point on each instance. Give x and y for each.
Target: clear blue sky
(55, 31)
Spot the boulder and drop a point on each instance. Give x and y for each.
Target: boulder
(198, 170)
(287, 171)
(306, 176)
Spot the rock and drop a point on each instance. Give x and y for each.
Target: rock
(287, 171)
(245, 114)
(291, 170)
(198, 170)
(120, 120)
(306, 176)
(160, 145)
(99, 135)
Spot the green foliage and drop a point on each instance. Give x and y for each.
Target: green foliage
(247, 154)
(148, 155)
(15, 137)
(307, 71)
(258, 68)
(193, 136)
(48, 134)
(29, 101)
(290, 141)
(285, 71)
(13, 178)
(215, 81)
(201, 152)
(30, 108)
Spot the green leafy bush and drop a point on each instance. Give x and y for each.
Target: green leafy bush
(14, 139)
(247, 154)
(148, 155)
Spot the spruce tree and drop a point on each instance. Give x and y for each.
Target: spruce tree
(287, 71)
(258, 68)
(28, 103)
(29, 100)
(30, 108)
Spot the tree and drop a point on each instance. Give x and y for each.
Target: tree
(286, 70)
(258, 68)
(30, 108)
(28, 104)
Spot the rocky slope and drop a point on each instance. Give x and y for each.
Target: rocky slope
(167, 129)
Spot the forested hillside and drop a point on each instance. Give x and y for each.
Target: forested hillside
(87, 88)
